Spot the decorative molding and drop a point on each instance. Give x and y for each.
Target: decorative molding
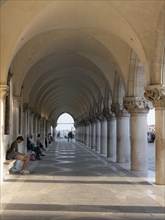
(4, 90)
(92, 119)
(156, 94)
(108, 114)
(137, 105)
(119, 110)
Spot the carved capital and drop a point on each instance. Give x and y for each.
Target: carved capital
(4, 89)
(156, 94)
(137, 105)
(119, 110)
(108, 114)
(92, 119)
(86, 122)
(100, 116)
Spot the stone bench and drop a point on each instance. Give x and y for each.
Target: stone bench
(8, 164)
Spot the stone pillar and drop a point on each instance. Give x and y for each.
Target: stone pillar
(31, 121)
(3, 92)
(123, 133)
(103, 120)
(83, 133)
(35, 126)
(94, 133)
(38, 124)
(42, 130)
(28, 120)
(90, 133)
(156, 94)
(25, 119)
(87, 133)
(138, 107)
(111, 135)
(16, 104)
(98, 135)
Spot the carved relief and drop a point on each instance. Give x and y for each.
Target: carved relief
(156, 94)
(119, 110)
(137, 104)
(108, 114)
(4, 89)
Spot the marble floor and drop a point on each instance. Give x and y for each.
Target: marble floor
(73, 182)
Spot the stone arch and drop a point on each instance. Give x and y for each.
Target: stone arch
(157, 75)
(137, 79)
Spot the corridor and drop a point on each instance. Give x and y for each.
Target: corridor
(73, 182)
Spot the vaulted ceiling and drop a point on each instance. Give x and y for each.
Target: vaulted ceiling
(64, 54)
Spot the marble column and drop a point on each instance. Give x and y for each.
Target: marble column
(98, 135)
(3, 93)
(103, 149)
(94, 133)
(16, 105)
(42, 130)
(111, 135)
(38, 123)
(31, 121)
(35, 131)
(87, 133)
(123, 133)
(25, 116)
(138, 107)
(90, 133)
(156, 94)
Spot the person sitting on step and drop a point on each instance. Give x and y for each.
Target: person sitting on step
(19, 156)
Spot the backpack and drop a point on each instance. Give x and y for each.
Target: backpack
(32, 156)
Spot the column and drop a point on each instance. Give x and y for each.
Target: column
(156, 94)
(103, 149)
(3, 93)
(111, 135)
(123, 133)
(42, 130)
(87, 132)
(38, 123)
(98, 135)
(16, 104)
(31, 121)
(138, 107)
(25, 118)
(94, 133)
(90, 132)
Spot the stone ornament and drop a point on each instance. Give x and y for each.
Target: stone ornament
(156, 94)
(4, 90)
(119, 110)
(100, 116)
(108, 114)
(137, 104)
